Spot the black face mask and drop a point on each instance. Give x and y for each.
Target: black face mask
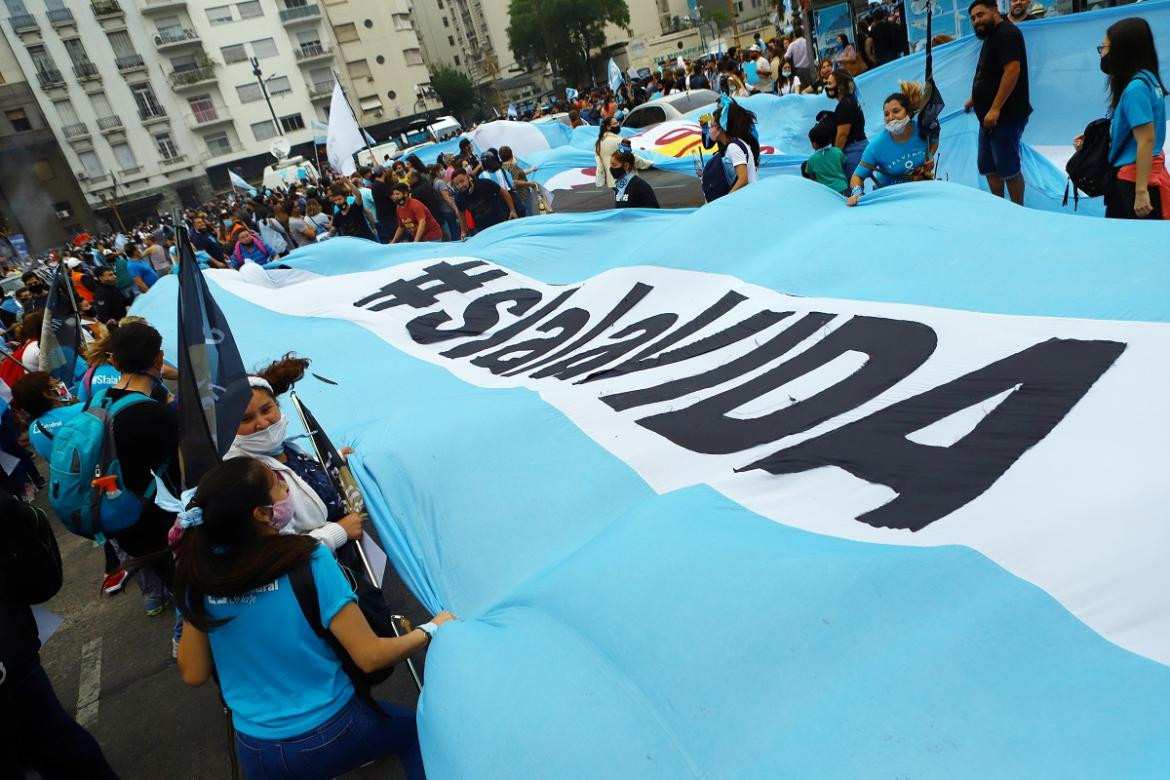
(831, 92)
(617, 172)
(1106, 65)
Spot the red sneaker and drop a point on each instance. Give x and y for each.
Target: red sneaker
(114, 582)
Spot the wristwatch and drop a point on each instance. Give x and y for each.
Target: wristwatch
(429, 629)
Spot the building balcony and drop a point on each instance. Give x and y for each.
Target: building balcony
(174, 38)
(85, 71)
(75, 132)
(129, 63)
(311, 52)
(177, 159)
(300, 14)
(23, 23)
(50, 77)
(106, 9)
(195, 77)
(150, 7)
(321, 90)
(152, 115)
(60, 17)
(220, 152)
(110, 123)
(208, 117)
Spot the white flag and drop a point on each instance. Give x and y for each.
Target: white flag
(344, 137)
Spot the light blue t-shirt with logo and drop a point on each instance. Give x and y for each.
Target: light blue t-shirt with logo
(104, 377)
(892, 162)
(44, 429)
(278, 677)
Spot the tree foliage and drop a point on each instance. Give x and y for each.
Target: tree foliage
(563, 33)
(455, 89)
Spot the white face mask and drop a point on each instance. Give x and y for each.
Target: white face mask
(269, 441)
(897, 126)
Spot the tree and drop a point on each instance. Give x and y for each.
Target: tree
(455, 89)
(563, 33)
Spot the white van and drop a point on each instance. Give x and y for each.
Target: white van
(444, 128)
(381, 152)
(291, 170)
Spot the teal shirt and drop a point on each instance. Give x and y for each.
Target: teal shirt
(1142, 101)
(827, 166)
(122, 276)
(280, 679)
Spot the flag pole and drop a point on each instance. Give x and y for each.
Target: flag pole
(352, 506)
(362, 130)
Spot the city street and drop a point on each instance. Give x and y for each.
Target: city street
(112, 665)
(673, 191)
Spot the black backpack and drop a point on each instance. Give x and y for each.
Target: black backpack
(304, 585)
(1091, 167)
(716, 178)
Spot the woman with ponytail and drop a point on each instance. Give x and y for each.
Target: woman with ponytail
(294, 708)
(319, 509)
(900, 153)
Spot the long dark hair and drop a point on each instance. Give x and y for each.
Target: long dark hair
(604, 128)
(227, 555)
(1131, 49)
(739, 123)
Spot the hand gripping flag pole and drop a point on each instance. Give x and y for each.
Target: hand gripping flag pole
(339, 471)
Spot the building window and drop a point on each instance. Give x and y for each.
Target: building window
(264, 48)
(456, 60)
(450, 40)
(64, 209)
(218, 143)
(43, 169)
(76, 52)
(371, 103)
(292, 122)
(19, 119)
(264, 130)
(250, 9)
(249, 93)
(166, 146)
(345, 33)
(445, 22)
(91, 164)
(148, 104)
(220, 14)
(66, 111)
(358, 69)
(235, 53)
(125, 156)
(279, 85)
(401, 21)
(413, 56)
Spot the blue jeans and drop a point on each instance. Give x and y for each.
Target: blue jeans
(351, 738)
(385, 231)
(450, 224)
(999, 149)
(853, 151)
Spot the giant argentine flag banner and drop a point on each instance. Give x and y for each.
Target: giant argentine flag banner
(883, 494)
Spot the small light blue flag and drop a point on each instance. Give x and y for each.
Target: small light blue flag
(239, 183)
(615, 76)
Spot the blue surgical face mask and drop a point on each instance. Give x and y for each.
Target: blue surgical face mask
(350, 200)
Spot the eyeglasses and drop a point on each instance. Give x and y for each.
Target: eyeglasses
(1101, 48)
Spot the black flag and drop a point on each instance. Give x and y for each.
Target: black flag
(60, 340)
(330, 459)
(928, 125)
(213, 386)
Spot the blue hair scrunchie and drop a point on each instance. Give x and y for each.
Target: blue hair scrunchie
(164, 499)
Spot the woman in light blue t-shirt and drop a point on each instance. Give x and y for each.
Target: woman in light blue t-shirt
(294, 707)
(899, 154)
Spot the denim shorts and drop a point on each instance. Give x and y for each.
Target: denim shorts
(999, 149)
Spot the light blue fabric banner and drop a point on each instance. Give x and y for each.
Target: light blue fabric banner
(632, 608)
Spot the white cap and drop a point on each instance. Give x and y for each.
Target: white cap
(72, 262)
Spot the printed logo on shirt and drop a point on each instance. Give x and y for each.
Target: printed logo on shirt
(247, 598)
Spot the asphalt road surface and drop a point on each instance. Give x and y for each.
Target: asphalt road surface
(112, 665)
(673, 191)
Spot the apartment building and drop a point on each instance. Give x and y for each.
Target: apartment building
(39, 197)
(153, 100)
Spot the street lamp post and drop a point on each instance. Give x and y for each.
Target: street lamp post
(264, 91)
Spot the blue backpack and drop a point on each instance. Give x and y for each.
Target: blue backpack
(86, 487)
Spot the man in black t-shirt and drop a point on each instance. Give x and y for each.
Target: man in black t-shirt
(385, 212)
(886, 37)
(999, 95)
(632, 191)
(349, 218)
(488, 203)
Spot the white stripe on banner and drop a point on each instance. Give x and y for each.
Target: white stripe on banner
(876, 422)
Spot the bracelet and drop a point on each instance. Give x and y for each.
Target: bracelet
(857, 191)
(429, 629)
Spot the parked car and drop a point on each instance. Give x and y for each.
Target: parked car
(671, 106)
